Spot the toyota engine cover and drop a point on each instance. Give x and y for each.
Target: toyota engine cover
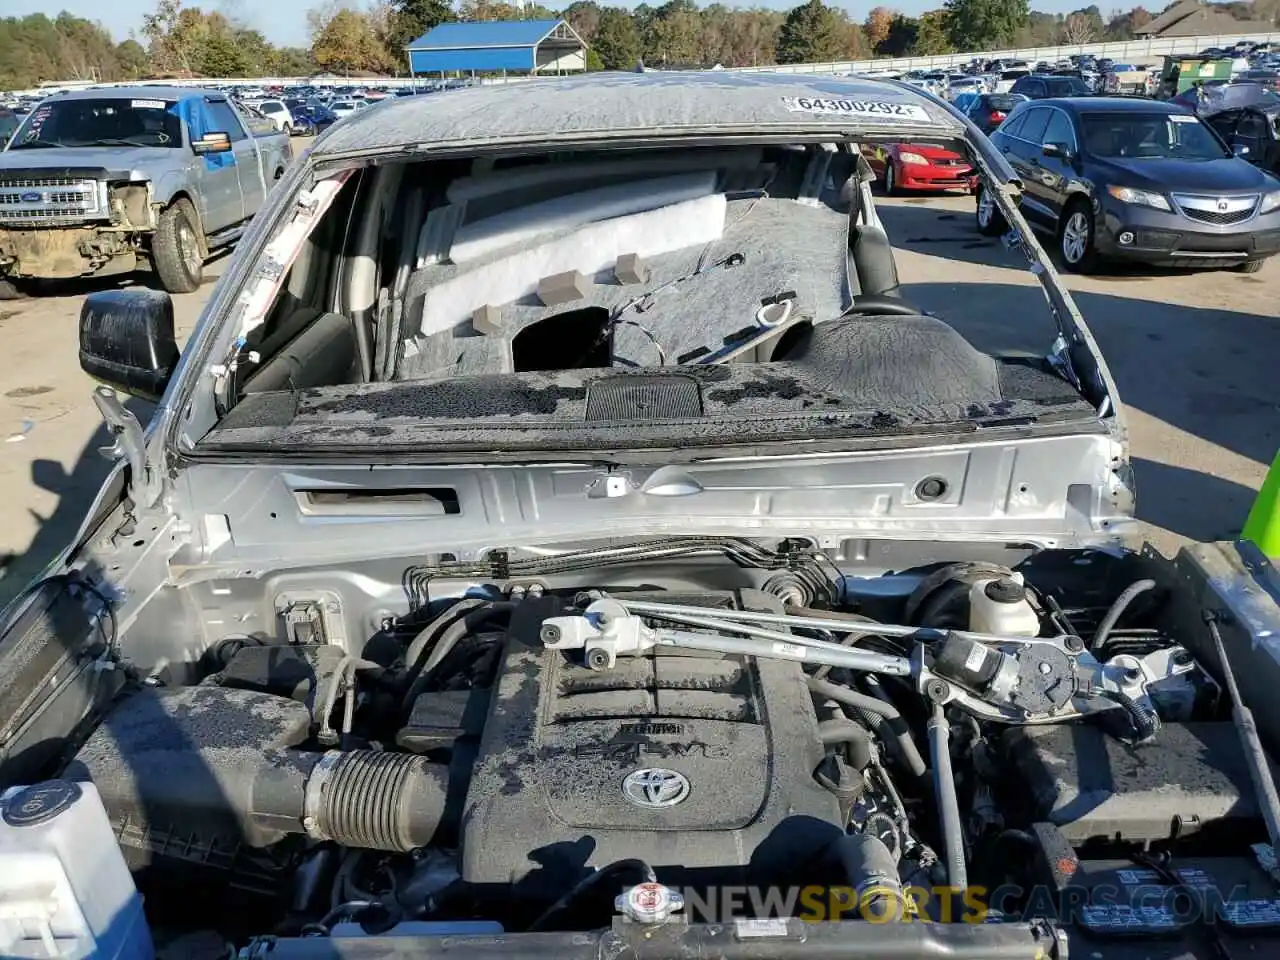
(683, 759)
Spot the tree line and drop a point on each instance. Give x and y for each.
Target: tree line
(369, 36)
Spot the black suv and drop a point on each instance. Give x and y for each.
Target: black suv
(1138, 179)
(1038, 86)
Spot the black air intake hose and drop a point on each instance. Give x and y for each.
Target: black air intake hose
(872, 871)
(357, 798)
(374, 800)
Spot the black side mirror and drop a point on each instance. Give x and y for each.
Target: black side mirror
(127, 341)
(1060, 150)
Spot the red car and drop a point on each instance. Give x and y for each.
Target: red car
(916, 166)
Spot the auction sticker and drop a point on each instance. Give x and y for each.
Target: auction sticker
(147, 104)
(861, 109)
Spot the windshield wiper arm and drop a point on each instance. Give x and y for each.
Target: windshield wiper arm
(36, 142)
(117, 141)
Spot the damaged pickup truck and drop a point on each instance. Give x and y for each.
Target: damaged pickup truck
(99, 182)
(563, 537)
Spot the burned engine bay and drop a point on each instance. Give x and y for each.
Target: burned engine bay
(699, 730)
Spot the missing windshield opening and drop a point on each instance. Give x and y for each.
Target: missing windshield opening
(573, 340)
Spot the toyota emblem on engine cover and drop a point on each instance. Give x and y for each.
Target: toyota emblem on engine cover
(655, 787)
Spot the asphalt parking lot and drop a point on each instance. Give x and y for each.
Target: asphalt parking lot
(1193, 354)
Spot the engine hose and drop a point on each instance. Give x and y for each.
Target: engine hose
(459, 629)
(341, 912)
(1146, 723)
(854, 737)
(852, 698)
(342, 889)
(427, 634)
(367, 799)
(872, 870)
(588, 882)
(944, 786)
(895, 730)
(1005, 838)
(877, 690)
(886, 715)
(471, 618)
(374, 800)
(848, 640)
(881, 825)
(1116, 611)
(900, 737)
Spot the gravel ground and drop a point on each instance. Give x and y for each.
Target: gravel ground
(1192, 353)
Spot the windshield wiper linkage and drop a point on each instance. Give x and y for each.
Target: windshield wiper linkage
(608, 628)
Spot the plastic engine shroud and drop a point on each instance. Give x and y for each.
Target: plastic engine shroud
(546, 798)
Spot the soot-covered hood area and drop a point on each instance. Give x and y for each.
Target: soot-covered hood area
(843, 376)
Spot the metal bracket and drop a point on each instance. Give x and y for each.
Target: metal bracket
(129, 444)
(606, 630)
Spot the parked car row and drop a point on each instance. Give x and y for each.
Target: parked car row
(299, 116)
(20, 104)
(1079, 75)
(1193, 181)
(1109, 177)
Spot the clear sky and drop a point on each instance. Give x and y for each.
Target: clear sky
(284, 22)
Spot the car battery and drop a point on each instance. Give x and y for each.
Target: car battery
(1122, 898)
(1150, 897)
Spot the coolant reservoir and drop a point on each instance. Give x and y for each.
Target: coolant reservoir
(999, 605)
(65, 890)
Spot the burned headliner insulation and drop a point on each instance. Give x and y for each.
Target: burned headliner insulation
(784, 246)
